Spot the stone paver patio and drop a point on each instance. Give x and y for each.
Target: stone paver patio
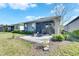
(36, 39)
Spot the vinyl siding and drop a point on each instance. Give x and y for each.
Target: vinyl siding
(72, 26)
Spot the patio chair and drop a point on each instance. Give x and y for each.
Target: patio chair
(37, 34)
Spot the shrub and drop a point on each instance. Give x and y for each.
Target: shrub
(22, 32)
(28, 32)
(58, 37)
(76, 33)
(15, 31)
(66, 36)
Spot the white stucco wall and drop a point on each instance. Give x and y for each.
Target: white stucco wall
(21, 27)
(57, 26)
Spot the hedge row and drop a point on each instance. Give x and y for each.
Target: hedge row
(22, 32)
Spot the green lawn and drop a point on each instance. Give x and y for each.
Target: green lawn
(15, 47)
(66, 50)
(9, 46)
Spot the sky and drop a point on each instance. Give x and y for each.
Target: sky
(12, 13)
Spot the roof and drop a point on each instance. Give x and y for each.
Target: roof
(44, 19)
(72, 20)
(50, 18)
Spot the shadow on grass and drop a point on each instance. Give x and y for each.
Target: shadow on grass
(73, 40)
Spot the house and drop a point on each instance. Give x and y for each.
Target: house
(6, 28)
(10, 27)
(72, 25)
(1, 28)
(16, 26)
(46, 25)
(19, 26)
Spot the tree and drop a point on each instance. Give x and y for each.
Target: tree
(62, 11)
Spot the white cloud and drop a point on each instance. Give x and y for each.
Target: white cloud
(33, 5)
(22, 6)
(29, 18)
(18, 6)
(48, 3)
(3, 5)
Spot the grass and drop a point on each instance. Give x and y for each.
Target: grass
(66, 50)
(13, 46)
(16, 47)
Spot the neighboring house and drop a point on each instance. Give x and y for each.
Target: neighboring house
(10, 28)
(1, 28)
(73, 25)
(6, 28)
(19, 26)
(16, 26)
(47, 25)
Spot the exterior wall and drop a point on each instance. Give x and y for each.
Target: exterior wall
(72, 26)
(21, 28)
(16, 27)
(10, 28)
(40, 27)
(45, 27)
(30, 27)
(25, 27)
(57, 26)
(1, 28)
(50, 26)
(66, 28)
